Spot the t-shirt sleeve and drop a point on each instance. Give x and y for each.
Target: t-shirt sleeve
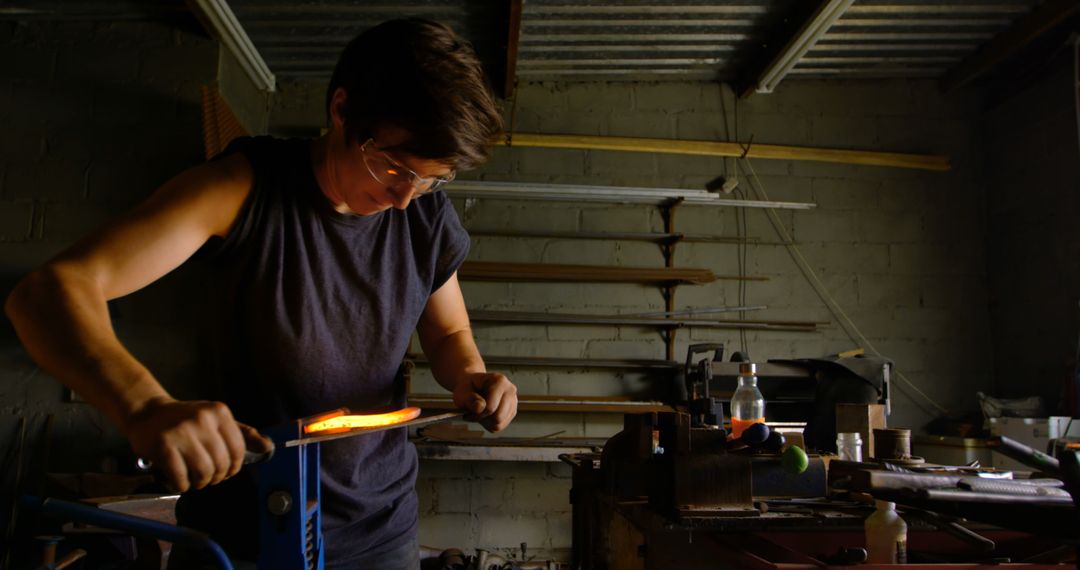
(454, 244)
(254, 149)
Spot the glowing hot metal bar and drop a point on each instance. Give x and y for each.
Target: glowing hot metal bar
(349, 422)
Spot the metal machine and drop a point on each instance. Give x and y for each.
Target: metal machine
(290, 534)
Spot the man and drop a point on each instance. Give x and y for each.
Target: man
(327, 254)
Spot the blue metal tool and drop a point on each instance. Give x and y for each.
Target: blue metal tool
(290, 529)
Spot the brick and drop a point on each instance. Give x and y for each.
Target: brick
(487, 295)
(585, 383)
(666, 96)
(903, 228)
(844, 258)
(621, 168)
(448, 531)
(505, 532)
(533, 95)
(502, 249)
(45, 104)
(484, 331)
(50, 177)
(707, 167)
(499, 470)
(453, 495)
(844, 194)
(546, 162)
(542, 495)
(708, 295)
(615, 218)
(547, 295)
(583, 252)
(582, 332)
(824, 226)
(883, 290)
(551, 121)
(16, 221)
(645, 124)
(774, 129)
(425, 494)
(97, 64)
(27, 63)
(721, 258)
(604, 349)
(442, 469)
(708, 221)
(691, 125)
(194, 61)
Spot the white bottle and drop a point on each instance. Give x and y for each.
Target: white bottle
(886, 535)
(849, 446)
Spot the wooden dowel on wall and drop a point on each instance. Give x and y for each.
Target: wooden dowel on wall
(715, 148)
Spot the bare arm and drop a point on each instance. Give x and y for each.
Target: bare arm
(447, 340)
(60, 314)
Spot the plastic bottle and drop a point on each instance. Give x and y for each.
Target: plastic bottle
(886, 535)
(747, 403)
(849, 446)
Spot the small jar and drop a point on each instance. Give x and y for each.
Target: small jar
(849, 446)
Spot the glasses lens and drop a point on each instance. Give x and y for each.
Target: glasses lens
(396, 176)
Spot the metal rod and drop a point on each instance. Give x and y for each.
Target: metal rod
(607, 194)
(703, 311)
(137, 526)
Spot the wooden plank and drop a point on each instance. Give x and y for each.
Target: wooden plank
(546, 362)
(584, 404)
(629, 320)
(550, 272)
(1023, 31)
(717, 148)
(448, 451)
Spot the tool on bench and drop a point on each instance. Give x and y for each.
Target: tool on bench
(1031, 457)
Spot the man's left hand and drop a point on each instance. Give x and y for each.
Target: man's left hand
(487, 397)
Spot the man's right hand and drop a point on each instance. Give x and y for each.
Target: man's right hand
(192, 443)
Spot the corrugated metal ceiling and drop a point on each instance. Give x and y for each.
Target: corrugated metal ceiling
(642, 40)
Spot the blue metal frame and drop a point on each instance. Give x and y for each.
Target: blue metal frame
(291, 539)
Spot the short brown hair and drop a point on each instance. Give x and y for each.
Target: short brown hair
(418, 75)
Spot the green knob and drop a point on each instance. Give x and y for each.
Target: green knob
(794, 460)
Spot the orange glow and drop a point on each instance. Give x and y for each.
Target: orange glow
(355, 421)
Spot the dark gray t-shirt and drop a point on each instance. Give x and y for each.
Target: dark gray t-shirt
(316, 312)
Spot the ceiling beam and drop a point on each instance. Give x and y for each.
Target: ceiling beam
(1022, 32)
(819, 22)
(513, 41)
(221, 22)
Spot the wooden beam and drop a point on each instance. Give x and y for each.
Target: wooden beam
(715, 148)
(630, 320)
(1023, 31)
(599, 404)
(513, 40)
(814, 25)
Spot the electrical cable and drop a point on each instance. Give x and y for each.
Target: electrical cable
(846, 323)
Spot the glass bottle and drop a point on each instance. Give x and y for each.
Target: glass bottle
(747, 403)
(886, 535)
(849, 446)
